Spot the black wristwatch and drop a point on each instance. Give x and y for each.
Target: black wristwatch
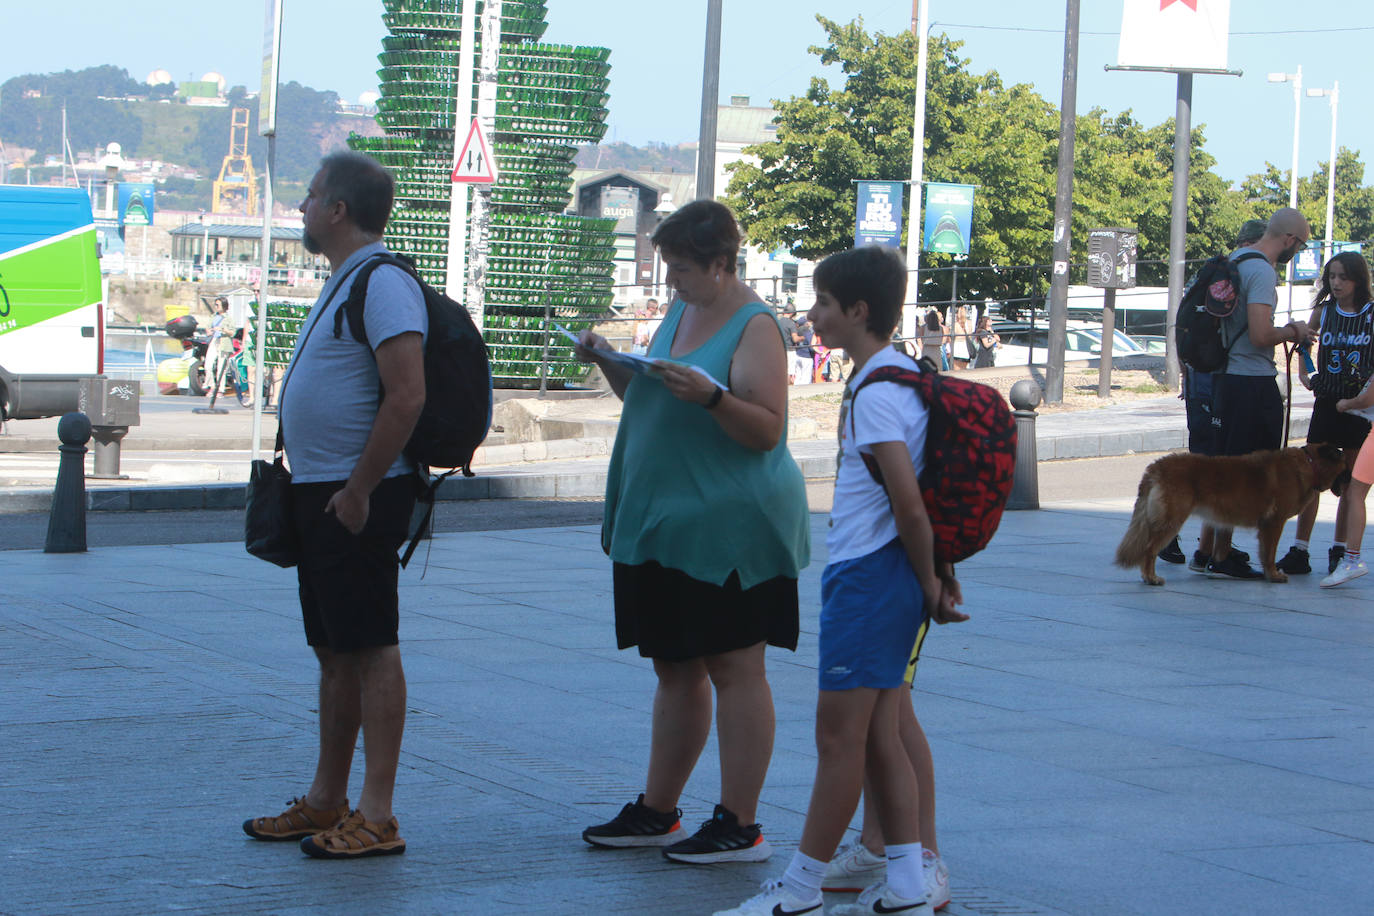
(714, 399)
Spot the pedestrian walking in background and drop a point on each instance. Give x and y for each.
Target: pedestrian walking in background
(707, 529)
(346, 411)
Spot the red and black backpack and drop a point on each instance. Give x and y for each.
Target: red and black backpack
(969, 458)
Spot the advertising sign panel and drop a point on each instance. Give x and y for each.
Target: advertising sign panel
(949, 218)
(1308, 262)
(135, 203)
(878, 214)
(1174, 34)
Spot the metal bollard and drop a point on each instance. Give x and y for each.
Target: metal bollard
(67, 518)
(1025, 484)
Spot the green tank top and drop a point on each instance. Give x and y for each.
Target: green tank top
(682, 493)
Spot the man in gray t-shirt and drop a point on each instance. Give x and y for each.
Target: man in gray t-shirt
(346, 411)
(1246, 402)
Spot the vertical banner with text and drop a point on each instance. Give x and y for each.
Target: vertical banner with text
(949, 218)
(878, 214)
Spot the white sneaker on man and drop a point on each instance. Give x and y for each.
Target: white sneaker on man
(853, 868)
(937, 880)
(1344, 572)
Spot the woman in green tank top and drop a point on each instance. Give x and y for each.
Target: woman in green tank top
(707, 527)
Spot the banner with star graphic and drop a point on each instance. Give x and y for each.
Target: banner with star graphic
(1184, 35)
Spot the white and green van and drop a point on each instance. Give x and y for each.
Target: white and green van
(52, 329)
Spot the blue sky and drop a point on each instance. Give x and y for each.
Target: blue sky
(657, 57)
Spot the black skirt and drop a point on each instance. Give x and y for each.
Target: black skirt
(670, 615)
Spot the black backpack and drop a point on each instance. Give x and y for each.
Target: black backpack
(457, 411)
(1209, 299)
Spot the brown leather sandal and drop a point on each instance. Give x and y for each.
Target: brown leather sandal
(353, 838)
(296, 822)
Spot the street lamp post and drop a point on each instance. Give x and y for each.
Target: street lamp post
(1296, 80)
(1334, 96)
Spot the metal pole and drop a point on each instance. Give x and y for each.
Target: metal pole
(1063, 212)
(455, 266)
(1178, 223)
(1331, 176)
(1104, 361)
(260, 339)
(481, 196)
(710, 99)
(920, 24)
(1293, 177)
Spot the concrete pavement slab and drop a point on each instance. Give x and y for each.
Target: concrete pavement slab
(1102, 747)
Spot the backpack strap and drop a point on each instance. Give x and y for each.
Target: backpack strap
(356, 303)
(889, 373)
(1246, 256)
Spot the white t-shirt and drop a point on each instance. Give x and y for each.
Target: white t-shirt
(861, 520)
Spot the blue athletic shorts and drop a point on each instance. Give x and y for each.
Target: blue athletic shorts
(871, 611)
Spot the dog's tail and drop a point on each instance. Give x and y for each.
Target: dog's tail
(1135, 543)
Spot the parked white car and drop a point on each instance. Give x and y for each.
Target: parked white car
(1023, 345)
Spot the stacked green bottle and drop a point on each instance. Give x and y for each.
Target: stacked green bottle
(550, 98)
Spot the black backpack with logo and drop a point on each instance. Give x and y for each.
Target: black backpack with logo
(458, 403)
(1209, 299)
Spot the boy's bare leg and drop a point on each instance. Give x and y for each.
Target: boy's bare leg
(890, 772)
(842, 724)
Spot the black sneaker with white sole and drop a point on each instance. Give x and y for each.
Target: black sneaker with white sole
(1198, 563)
(1233, 567)
(1333, 558)
(637, 825)
(1295, 562)
(1172, 553)
(721, 839)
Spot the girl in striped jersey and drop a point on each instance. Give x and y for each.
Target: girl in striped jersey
(1345, 362)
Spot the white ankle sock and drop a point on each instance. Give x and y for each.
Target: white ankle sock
(1301, 545)
(904, 873)
(1351, 556)
(803, 876)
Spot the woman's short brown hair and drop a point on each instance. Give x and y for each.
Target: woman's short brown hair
(701, 231)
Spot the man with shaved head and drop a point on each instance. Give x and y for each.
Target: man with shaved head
(1245, 395)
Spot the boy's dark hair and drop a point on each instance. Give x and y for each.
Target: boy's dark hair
(876, 274)
(363, 184)
(701, 231)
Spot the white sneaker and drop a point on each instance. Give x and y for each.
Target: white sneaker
(1346, 571)
(775, 900)
(937, 880)
(879, 899)
(854, 868)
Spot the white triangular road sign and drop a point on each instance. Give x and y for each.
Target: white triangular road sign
(474, 164)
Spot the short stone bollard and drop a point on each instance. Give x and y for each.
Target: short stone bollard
(67, 518)
(1025, 483)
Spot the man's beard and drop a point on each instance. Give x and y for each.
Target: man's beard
(309, 242)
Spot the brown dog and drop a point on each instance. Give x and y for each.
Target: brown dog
(1261, 490)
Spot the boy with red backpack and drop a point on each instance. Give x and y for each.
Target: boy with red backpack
(880, 586)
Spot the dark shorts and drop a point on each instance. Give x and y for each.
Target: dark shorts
(1202, 434)
(1249, 409)
(347, 581)
(1331, 427)
(671, 616)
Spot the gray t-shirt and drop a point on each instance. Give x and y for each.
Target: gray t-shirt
(330, 392)
(1258, 284)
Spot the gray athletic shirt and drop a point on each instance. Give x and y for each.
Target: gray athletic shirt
(331, 387)
(1257, 284)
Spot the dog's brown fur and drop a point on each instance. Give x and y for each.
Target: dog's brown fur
(1261, 490)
